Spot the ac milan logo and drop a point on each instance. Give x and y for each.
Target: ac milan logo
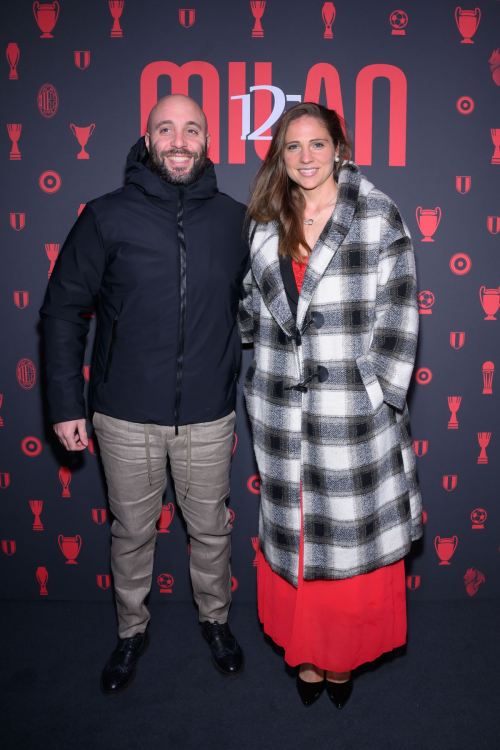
(423, 376)
(420, 447)
(48, 100)
(26, 374)
(49, 181)
(21, 299)
(99, 515)
(472, 581)
(494, 224)
(82, 59)
(165, 581)
(234, 583)
(186, 17)
(31, 446)
(463, 183)
(478, 517)
(8, 546)
(17, 221)
(412, 582)
(457, 339)
(4, 481)
(253, 484)
(449, 482)
(103, 581)
(460, 264)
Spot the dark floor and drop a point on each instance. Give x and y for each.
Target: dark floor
(439, 692)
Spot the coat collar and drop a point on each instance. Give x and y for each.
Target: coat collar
(265, 262)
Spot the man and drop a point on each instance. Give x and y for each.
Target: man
(165, 257)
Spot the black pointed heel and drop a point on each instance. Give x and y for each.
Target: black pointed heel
(309, 691)
(339, 692)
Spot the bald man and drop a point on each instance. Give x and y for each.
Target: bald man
(165, 258)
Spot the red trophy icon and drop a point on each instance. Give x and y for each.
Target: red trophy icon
(494, 62)
(428, 221)
(70, 547)
(82, 135)
(13, 58)
(46, 16)
(472, 581)
(398, 20)
(52, 253)
(165, 581)
(488, 370)
(42, 577)
(467, 22)
(36, 506)
(167, 513)
(454, 404)
(445, 548)
(1, 401)
(483, 439)
(425, 301)
(15, 134)
(65, 479)
(478, 517)
(490, 300)
(258, 7)
(116, 8)
(255, 545)
(328, 16)
(495, 137)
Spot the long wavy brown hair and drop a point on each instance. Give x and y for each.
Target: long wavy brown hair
(274, 195)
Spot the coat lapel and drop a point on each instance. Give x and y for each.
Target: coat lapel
(327, 246)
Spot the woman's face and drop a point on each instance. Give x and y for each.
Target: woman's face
(309, 153)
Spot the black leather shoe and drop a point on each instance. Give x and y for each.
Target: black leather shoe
(309, 691)
(339, 692)
(227, 655)
(121, 665)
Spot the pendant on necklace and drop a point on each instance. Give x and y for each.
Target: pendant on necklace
(308, 221)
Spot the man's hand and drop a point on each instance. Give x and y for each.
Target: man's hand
(72, 435)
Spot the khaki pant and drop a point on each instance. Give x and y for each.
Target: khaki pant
(135, 457)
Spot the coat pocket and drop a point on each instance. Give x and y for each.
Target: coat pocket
(370, 381)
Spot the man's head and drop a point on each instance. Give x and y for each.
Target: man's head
(177, 139)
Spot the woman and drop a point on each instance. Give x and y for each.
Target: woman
(331, 308)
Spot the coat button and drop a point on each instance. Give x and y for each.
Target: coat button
(318, 319)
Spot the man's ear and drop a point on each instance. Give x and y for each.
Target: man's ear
(146, 138)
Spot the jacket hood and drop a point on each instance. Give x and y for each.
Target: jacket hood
(138, 173)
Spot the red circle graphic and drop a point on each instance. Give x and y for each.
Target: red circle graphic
(48, 100)
(49, 181)
(31, 446)
(423, 376)
(234, 583)
(426, 299)
(398, 19)
(26, 374)
(424, 516)
(253, 484)
(465, 105)
(165, 582)
(460, 264)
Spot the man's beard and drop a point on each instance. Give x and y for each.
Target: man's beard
(157, 165)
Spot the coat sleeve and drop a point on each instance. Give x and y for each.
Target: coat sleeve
(73, 286)
(393, 346)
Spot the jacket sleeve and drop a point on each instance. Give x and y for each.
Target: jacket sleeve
(73, 286)
(245, 311)
(393, 347)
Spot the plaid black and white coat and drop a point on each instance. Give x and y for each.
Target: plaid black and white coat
(326, 391)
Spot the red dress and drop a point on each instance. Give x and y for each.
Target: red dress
(336, 625)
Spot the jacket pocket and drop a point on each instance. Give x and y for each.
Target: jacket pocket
(370, 381)
(110, 351)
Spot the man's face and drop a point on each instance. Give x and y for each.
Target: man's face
(177, 141)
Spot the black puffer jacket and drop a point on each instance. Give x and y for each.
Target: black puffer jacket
(166, 264)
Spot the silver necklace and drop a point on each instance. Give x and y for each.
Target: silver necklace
(311, 221)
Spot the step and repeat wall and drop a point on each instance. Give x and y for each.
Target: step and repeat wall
(420, 90)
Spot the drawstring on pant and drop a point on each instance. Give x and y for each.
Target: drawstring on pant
(188, 467)
(148, 454)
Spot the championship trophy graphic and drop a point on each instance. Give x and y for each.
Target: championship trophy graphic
(82, 135)
(495, 137)
(428, 221)
(483, 440)
(167, 513)
(70, 547)
(12, 53)
(454, 404)
(478, 517)
(116, 8)
(328, 16)
(46, 16)
(65, 479)
(488, 371)
(258, 7)
(425, 301)
(42, 577)
(165, 581)
(445, 548)
(398, 20)
(467, 22)
(255, 545)
(36, 506)
(14, 134)
(494, 62)
(52, 253)
(490, 300)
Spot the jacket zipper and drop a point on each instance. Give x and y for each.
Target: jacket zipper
(182, 316)
(110, 352)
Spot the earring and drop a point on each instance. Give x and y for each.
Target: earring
(336, 158)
